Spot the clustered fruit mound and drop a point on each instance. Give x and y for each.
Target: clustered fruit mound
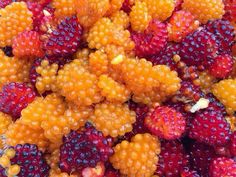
(111, 88)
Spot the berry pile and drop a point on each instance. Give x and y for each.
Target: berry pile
(118, 88)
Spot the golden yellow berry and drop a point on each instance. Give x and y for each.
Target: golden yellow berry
(113, 51)
(160, 9)
(115, 5)
(137, 158)
(64, 8)
(5, 161)
(206, 81)
(98, 63)
(14, 19)
(42, 109)
(78, 85)
(10, 153)
(225, 91)
(82, 54)
(205, 10)
(112, 90)
(5, 121)
(13, 170)
(47, 79)
(19, 133)
(139, 17)
(113, 119)
(120, 18)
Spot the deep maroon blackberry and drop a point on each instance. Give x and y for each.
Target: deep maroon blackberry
(215, 104)
(172, 159)
(198, 47)
(14, 97)
(8, 51)
(66, 39)
(165, 57)
(201, 156)
(224, 33)
(83, 149)
(30, 160)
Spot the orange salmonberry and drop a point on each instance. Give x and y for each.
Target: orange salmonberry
(139, 17)
(5, 121)
(14, 19)
(205, 10)
(113, 119)
(115, 5)
(78, 85)
(120, 18)
(137, 158)
(64, 8)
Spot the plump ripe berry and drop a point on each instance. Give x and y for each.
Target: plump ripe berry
(180, 25)
(139, 17)
(78, 85)
(88, 146)
(120, 18)
(205, 10)
(221, 66)
(232, 146)
(172, 159)
(166, 122)
(5, 121)
(215, 104)
(210, 127)
(224, 33)
(64, 40)
(206, 81)
(64, 8)
(225, 91)
(112, 90)
(106, 115)
(89, 11)
(4, 3)
(222, 166)
(18, 133)
(13, 69)
(201, 156)
(160, 9)
(137, 158)
(15, 97)
(30, 160)
(198, 47)
(115, 5)
(230, 10)
(152, 40)
(27, 44)
(15, 18)
(186, 172)
(42, 109)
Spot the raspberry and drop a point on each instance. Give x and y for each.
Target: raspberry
(65, 40)
(222, 166)
(27, 44)
(5, 121)
(139, 17)
(138, 157)
(4, 3)
(18, 133)
(64, 8)
(201, 157)
(224, 33)
(166, 122)
(160, 9)
(107, 114)
(88, 146)
(98, 63)
(189, 173)
(222, 66)
(82, 89)
(225, 92)
(90, 11)
(41, 109)
(180, 25)
(112, 90)
(210, 127)
(204, 10)
(30, 160)
(230, 12)
(232, 145)
(14, 19)
(152, 40)
(198, 47)
(172, 159)
(15, 97)
(206, 81)
(215, 104)
(120, 18)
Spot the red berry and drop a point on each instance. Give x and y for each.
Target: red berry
(172, 159)
(4, 3)
(232, 146)
(166, 123)
(152, 40)
(230, 8)
(222, 166)
(201, 156)
(83, 149)
(221, 66)
(210, 127)
(66, 39)
(189, 173)
(14, 97)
